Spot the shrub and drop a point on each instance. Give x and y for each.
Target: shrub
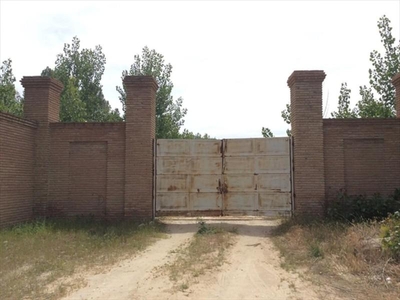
(390, 231)
(205, 229)
(360, 207)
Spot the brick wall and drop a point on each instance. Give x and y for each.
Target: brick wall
(359, 156)
(362, 156)
(16, 169)
(107, 169)
(79, 168)
(87, 169)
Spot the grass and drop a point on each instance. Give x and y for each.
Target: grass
(347, 257)
(41, 260)
(205, 252)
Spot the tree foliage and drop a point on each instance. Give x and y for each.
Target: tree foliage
(286, 116)
(266, 132)
(344, 110)
(169, 112)
(81, 71)
(10, 100)
(384, 67)
(186, 134)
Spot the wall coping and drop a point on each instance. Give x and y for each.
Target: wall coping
(364, 121)
(306, 76)
(22, 121)
(140, 81)
(42, 82)
(58, 125)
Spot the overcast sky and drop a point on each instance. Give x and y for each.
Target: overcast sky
(231, 60)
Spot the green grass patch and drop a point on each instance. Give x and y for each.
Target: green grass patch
(38, 259)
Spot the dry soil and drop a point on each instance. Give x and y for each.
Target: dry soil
(252, 270)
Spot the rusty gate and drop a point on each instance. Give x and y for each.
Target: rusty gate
(223, 177)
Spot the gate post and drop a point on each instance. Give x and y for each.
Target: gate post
(42, 104)
(140, 129)
(396, 83)
(307, 131)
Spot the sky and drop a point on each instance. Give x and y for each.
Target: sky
(231, 59)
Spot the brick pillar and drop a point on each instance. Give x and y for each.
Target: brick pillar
(307, 131)
(42, 104)
(140, 130)
(396, 83)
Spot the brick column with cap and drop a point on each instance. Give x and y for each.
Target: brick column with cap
(41, 104)
(307, 132)
(396, 83)
(140, 130)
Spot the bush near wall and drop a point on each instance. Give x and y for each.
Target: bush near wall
(391, 234)
(356, 208)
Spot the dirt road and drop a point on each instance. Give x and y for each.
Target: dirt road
(252, 270)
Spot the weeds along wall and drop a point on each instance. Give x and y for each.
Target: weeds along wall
(106, 169)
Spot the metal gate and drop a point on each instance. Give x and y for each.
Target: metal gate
(223, 177)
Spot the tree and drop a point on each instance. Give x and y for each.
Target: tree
(285, 114)
(186, 134)
(10, 100)
(384, 68)
(169, 112)
(266, 132)
(344, 110)
(81, 71)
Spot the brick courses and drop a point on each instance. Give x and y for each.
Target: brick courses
(16, 169)
(71, 196)
(362, 156)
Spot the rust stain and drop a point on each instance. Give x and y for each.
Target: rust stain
(172, 188)
(222, 187)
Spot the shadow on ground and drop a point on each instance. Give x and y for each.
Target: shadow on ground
(244, 226)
